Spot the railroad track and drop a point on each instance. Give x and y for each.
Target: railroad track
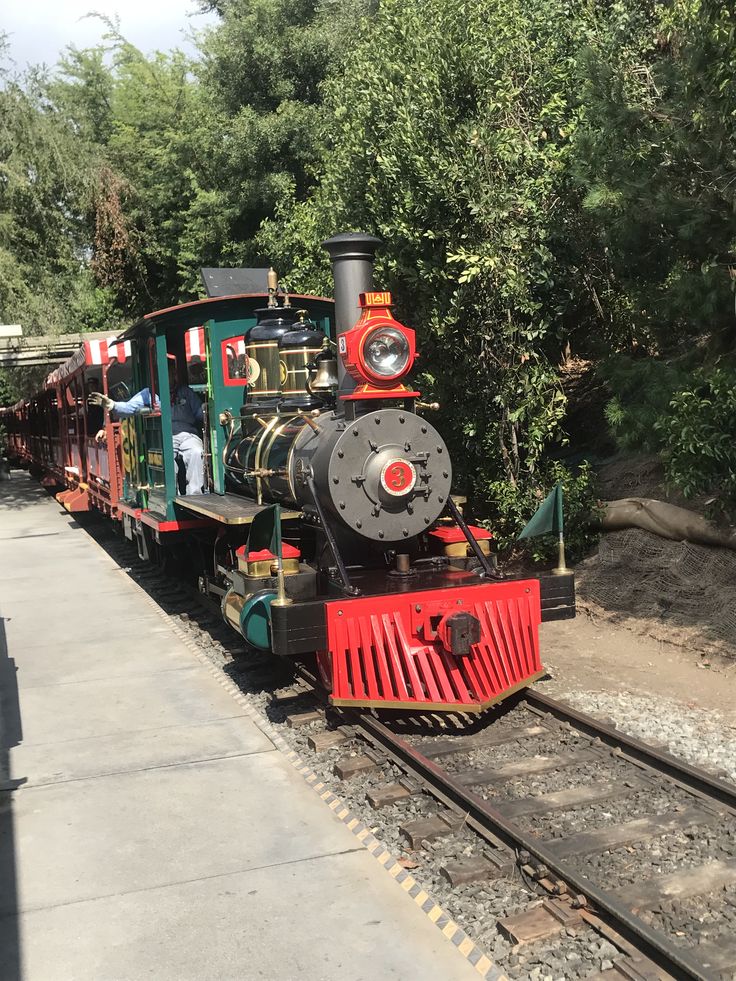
(497, 781)
(615, 834)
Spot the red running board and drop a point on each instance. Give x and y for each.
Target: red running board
(384, 650)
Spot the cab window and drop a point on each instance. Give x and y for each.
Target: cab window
(234, 361)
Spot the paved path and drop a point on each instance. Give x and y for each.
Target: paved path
(156, 832)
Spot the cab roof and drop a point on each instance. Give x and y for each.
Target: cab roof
(197, 312)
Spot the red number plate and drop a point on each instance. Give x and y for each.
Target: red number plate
(398, 477)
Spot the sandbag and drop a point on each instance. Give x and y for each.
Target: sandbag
(665, 520)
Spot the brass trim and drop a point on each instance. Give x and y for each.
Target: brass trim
(286, 419)
(473, 709)
(290, 461)
(306, 354)
(455, 550)
(279, 425)
(263, 384)
(263, 568)
(257, 461)
(232, 607)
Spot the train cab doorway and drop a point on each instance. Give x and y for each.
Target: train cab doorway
(171, 368)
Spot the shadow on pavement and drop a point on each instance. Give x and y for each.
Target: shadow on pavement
(11, 735)
(19, 489)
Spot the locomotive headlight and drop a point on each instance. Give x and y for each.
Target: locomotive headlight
(378, 350)
(386, 352)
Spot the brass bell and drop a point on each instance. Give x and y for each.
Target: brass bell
(322, 377)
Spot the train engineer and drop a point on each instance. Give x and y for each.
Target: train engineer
(186, 423)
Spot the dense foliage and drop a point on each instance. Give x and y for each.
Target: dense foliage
(548, 176)
(454, 151)
(657, 158)
(699, 435)
(514, 506)
(45, 193)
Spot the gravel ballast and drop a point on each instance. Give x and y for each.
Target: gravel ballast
(700, 737)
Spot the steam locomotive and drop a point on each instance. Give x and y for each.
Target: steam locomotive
(327, 531)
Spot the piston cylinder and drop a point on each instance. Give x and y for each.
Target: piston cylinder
(232, 607)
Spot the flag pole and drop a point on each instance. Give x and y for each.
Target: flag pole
(281, 598)
(561, 568)
(548, 519)
(560, 522)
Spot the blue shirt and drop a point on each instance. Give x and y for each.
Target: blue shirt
(186, 409)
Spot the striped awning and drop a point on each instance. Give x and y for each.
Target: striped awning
(194, 343)
(104, 350)
(97, 351)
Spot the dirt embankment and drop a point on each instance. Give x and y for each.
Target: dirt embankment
(676, 592)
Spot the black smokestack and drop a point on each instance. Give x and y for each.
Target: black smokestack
(352, 255)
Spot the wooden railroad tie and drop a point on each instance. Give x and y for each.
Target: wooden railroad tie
(540, 922)
(349, 766)
(433, 749)
(298, 719)
(618, 835)
(491, 865)
(390, 794)
(428, 829)
(563, 799)
(322, 741)
(650, 893)
(286, 697)
(524, 768)
(627, 970)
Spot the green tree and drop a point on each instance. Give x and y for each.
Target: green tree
(655, 158)
(450, 138)
(196, 153)
(137, 113)
(46, 180)
(261, 117)
(699, 435)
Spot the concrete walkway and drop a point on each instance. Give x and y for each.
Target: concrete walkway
(155, 831)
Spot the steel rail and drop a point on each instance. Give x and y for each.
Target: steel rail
(655, 945)
(684, 773)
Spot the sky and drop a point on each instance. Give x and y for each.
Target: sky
(39, 29)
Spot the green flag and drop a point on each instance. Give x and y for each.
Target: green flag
(548, 518)
(265, 531)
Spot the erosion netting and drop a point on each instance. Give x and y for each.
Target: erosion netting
(677, 592)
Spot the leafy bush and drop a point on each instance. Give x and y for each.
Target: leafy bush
(514, 506)
(699, 434)
(641, 392)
